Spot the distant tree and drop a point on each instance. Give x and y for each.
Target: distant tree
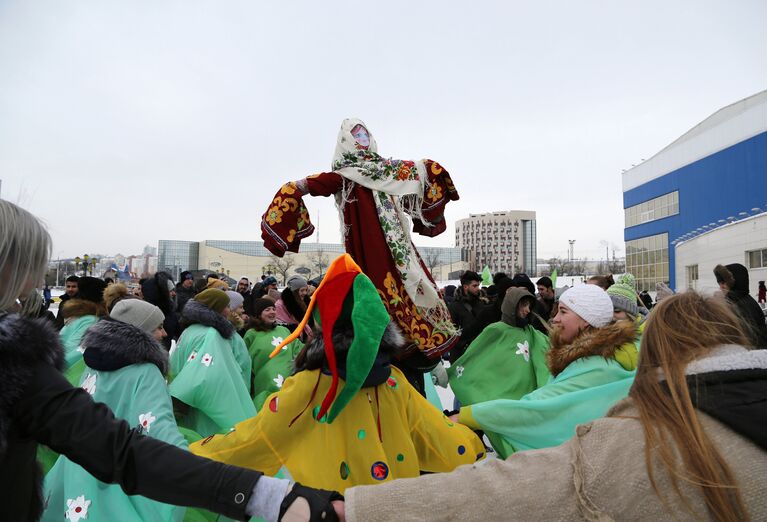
(562, 266)
(616, 266)
(578, 266)
(319, 261)
(431, 260)
(282, 265)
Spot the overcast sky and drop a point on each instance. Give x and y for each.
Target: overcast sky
(122, 123)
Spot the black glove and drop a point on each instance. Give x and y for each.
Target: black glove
(316, 508)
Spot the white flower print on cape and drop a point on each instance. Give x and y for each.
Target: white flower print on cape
(459, 371)
(523, 349)
(207, 359)
(192, 357)
(145, 420)
(276, 341)
(89, 384)
(279, 380)
(77, 508)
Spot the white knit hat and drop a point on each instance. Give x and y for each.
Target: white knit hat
(590, 303)
(140, 314)
(235, 299)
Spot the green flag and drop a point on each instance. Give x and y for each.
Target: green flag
(487, 277)
(554, 278)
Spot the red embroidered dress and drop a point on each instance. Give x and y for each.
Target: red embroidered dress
(375, 196)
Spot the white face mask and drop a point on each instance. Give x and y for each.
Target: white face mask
(361, 136)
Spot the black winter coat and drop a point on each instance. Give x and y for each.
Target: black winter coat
(752, 316)
(183, 295)
(746, 307)
(60, 316)
(37, 405)
(465, 309)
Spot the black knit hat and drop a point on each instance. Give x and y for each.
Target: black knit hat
(523, 281)
(91, 289)
(259, 305)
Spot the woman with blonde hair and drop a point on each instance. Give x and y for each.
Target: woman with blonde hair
(687, 444)
(38, 406)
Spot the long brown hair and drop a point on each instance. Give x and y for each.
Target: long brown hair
(681, 329)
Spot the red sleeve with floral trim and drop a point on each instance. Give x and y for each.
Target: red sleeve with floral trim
(286, 221)
(441, 191)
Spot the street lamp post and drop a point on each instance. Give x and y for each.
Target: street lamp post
(58, 267)
(77, 263)
(86, 257)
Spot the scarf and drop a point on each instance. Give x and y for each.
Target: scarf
(398, 187)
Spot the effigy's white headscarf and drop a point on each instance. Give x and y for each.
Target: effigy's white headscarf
(363, 165)
(398, 187)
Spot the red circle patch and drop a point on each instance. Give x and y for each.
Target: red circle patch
(379, 470)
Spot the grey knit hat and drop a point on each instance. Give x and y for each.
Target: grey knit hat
(235, 299)
(296, 283)
(624, 305)
(140, 314)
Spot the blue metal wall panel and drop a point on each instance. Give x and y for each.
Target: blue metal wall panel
(723, 184)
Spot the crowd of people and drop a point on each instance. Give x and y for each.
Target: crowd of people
(192, 400)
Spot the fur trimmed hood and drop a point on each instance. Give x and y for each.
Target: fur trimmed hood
(80, 308)
(197, 313)
(24, 343)
(110, 345)
(595, 341)
(735, 276)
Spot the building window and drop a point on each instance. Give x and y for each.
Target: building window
(757, 258)
(650, 210)
(692, 276)
(647, 259)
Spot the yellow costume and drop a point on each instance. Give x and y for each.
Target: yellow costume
(414, 436)
(628, 354)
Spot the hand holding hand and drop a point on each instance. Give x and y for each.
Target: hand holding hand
(303, 504)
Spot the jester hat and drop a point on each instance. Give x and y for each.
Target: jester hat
(345, 291)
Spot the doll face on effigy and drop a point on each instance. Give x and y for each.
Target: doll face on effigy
(361, 136)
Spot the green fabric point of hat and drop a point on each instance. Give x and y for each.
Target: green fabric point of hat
(369, 320)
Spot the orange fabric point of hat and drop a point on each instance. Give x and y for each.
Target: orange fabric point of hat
(341, 265)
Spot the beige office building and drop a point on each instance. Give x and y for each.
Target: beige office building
(504, 241)
(251, 259)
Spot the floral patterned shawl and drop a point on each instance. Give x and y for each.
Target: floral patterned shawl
(365, 167)
(398, 186)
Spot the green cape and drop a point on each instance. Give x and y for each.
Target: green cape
(138, 394)
(71, 335)
(269, 374)
(547, 417)
(206, 377)
(503, 362)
